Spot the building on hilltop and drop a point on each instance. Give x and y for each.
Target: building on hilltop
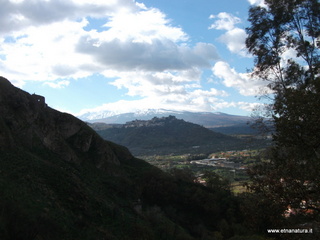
(39, 99)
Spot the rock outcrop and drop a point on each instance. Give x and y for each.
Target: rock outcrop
(27, 121)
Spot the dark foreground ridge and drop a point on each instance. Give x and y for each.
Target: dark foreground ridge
(60, 180)
(27, 122)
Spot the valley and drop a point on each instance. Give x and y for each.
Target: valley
(170, 143)
(230, 165)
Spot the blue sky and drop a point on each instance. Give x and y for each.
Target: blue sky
(98, 56)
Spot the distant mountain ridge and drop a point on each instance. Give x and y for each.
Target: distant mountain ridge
(167, 135)
(207, 119)
(101, 115)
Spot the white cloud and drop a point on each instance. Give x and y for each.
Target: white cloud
(159, 55)
(38, 37)
(257, 2)
(60, 84)
(235, 41)
(142, 26)
(203, 101)
(17, 15)
(168, 90)
(163, 84)
(249, 107)
(44, 53)
(51, 42)
(235, 37)
(197, 101)
(246, 85)
(226, 21)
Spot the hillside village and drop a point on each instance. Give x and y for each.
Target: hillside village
(155, 121)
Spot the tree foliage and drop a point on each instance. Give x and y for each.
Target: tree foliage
(284, 38)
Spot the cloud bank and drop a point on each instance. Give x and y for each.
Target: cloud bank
(134, 47)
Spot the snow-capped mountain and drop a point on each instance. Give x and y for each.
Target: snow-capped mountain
(102, 115)
(207, 119)
(88, 116)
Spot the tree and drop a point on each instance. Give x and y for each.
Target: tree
(284, 38)
(184, 174)
(215, 181)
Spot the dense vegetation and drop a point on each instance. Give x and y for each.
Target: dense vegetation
(44, 197)
(290, 179)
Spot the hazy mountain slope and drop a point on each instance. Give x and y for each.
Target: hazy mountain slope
(237, 129)
(169, 135)
(60, 180)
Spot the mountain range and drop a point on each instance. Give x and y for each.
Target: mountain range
(59, 180)
(169, 135)
(206, 119)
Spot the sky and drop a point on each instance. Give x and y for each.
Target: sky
(91, 56)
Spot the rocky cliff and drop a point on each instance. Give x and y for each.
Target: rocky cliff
(26, 121)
